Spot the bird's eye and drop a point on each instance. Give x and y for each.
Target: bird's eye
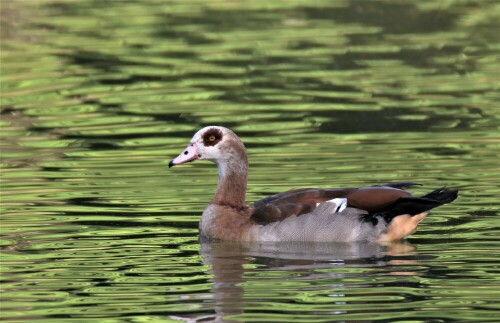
(211, 137)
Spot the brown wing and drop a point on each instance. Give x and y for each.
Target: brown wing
(280, 206)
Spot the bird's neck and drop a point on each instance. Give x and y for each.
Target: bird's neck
(232, 185)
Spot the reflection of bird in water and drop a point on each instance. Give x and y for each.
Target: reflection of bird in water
(240, 269)
(376, 213)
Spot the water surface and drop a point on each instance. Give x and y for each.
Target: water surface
(97, 97)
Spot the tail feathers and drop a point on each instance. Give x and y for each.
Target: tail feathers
(417, 205)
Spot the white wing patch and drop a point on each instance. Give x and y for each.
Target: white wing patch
(340, 204)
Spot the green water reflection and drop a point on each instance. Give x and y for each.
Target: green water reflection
(96, 96)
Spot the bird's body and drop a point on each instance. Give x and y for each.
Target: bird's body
(375, 213)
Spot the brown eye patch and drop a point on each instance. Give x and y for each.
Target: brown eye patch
(212, 136)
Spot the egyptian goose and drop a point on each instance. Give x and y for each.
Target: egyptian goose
(375, 213)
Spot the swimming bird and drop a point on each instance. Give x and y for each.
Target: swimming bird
(374, 213)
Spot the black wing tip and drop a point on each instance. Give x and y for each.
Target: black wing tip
(442, 195)
(416, 205)
(400, 185)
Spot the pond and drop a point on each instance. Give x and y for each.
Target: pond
(97, 97)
